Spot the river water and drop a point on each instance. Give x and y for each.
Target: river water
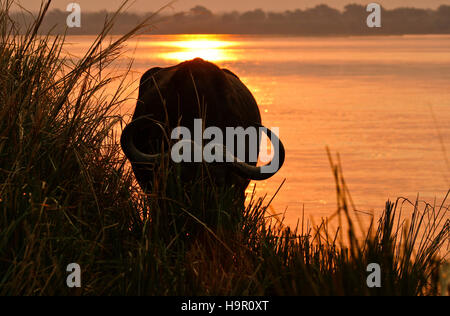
(382, 103)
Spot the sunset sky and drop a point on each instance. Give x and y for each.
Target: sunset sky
(229, 5)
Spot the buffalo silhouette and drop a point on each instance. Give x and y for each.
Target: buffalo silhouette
(179, 95)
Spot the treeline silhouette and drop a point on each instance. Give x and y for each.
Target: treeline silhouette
(317, 21)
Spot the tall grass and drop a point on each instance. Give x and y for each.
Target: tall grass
(67, 195)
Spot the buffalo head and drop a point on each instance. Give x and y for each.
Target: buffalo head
(180, 96)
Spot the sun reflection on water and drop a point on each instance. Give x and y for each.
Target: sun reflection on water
(213, 48)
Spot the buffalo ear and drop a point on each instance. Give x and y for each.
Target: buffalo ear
(146, 78)
(230, 72)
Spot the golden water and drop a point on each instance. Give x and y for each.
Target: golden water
(371, 99)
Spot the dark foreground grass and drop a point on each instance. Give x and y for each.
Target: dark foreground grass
(67, 195)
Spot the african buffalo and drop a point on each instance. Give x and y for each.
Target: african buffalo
(176, 96)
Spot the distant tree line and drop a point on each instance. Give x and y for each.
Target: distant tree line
(318, 21)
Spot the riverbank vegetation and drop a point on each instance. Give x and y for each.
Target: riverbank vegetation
(321, 20)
